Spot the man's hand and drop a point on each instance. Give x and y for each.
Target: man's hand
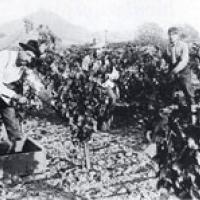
(44, 95)
(20, 98)
(17, 96)
(23, 100)
(173, 75)
(176, 70)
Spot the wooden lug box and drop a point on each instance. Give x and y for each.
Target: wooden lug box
(31, 161)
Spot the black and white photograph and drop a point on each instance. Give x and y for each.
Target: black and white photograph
(99, 100)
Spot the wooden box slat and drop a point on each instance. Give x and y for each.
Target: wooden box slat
(32, 160)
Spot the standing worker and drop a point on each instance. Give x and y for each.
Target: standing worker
(177, 57)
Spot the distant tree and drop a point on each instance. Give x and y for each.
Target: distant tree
(189, 33)
(94, 41)
(28, 24)
(150, 34)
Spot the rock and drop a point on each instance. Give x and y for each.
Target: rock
(163, 194)
(122, 190)
(128, 170)
(173, 197)
(101, 162)
(120, 155)
(121, 161)
(105, 176)
(151, 173)
(97, 167)
(129, 153)
(151, 150)
(7, 181)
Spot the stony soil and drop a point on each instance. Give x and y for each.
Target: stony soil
(120, 167)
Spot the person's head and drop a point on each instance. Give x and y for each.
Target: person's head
(173, 34)
(28, 52)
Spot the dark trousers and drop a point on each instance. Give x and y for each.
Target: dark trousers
(184, 82)
(10, 121)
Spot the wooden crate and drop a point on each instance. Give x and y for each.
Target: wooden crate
(31, 161)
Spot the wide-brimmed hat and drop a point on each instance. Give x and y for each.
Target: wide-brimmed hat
(31, 45)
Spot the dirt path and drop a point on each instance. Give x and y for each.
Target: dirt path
(120, 169)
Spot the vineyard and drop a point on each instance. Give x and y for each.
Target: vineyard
(100, 148)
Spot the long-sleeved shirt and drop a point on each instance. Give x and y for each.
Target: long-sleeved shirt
(86, 63)
(114, 75)
(178, 56)
(10, 73)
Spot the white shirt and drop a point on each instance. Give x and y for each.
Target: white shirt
(112, 77)
(86, 63)
(96, 65)
(9, 73)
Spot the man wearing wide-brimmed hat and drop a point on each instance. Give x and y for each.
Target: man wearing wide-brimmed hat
(14, 67)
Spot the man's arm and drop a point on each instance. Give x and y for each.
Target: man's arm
(6, 94)
(35, 82)
(184, 59)
(4, 56)
(165, 59)
(114, 75)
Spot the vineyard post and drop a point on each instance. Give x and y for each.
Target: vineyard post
(83, 160)
(87, 155)
(74, 155)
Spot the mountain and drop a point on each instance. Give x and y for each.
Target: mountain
(12, 32)
(69, 33)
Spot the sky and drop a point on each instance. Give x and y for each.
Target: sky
(112, 15)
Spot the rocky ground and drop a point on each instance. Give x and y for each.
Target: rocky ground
(120, 167)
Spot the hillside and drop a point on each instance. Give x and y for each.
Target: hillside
(69, 33)
(12, 32)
